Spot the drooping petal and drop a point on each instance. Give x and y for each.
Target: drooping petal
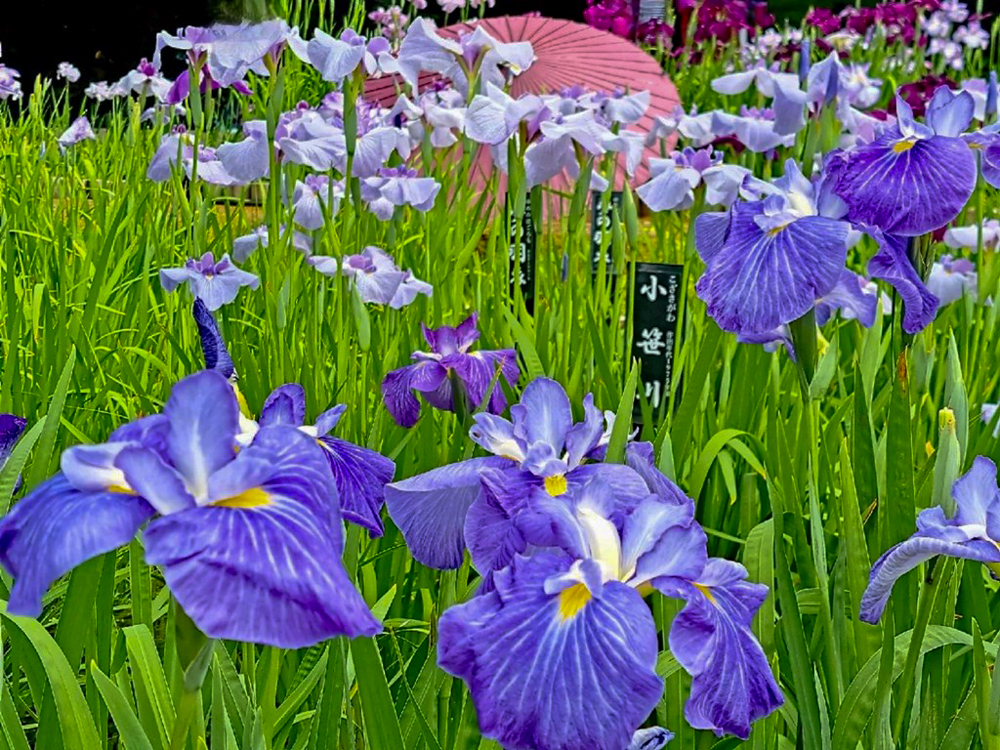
(263, 565)
(584, 436)
(732, 684)
(286, 405)
(554, 671)
(892, 264)
(204, 422)
(476, 370)
(361, 475)
(907, 186)
(249, 159)
(398, 386)
(333, 58)
(847, 295)
(977, 498)
(430, 509)
(493, 532)
(759, 279)
(55, 528)
(213, 347)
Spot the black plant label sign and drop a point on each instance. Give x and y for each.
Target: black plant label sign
(522, 254)
(600, 226)
(654, 328)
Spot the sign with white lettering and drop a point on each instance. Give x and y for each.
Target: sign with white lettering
(655, 311)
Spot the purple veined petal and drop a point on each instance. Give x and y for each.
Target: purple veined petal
(650, 738)
(209, 169)
(79, 130)
(373, 150)
(397, 390)
(333, 58)
(360, 475)
(11, 427)
(991, 164)
(55, 528)
(628, 488)
(150, 432)
(907, 555)
(477, 370)
(213, 347)
(584, 436)
(238, 47)
(496, 435)
(451, 339)
(532, 659)
(626, 109)
(976, 496)
(264, 565)
(492, 525)
(307, 207)
(544, 413)
(248, 244)
(160, 168)
(759, 279)
(171, 278)
(950, 113)
(423, 49)
(892, 264)
(486, 119)
(670, 189)
(732, 685)
(247, 160)
(639, 458)
(848, 294)
(430, 510)
(149, 476)
(734, 83)
(378, 287)
(285, 405)
(771, 340)
(544, 159)
(204, 422)
(886, 183)
(659, 538)
(321, 153)
(711, 230)
(722, 184)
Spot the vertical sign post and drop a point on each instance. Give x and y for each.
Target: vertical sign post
(600, 226)
(522, 254)
(654, 329)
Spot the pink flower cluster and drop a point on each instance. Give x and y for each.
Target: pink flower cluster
(715, 19)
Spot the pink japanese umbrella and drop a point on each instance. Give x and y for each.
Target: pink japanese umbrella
(566, 54)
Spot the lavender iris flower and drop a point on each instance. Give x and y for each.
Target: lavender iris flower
(247, 244)
(210, 167)
(337, 59)
(391, 187)
(557, 149)
(755, 128)
(768, 261)
(10, 87)
(181, 87)
(250, 543)
(887, 183)
(449, 365)
(968, 236)
(424, 49)
(695, 128)
(309, 200)
(68, 72)
(101, 91)
(494, 116)
(950, 278)
(11, 427)
(851, 297)
(972, 533)
(228, 51)
(565, 624)
(673, 180)
(146, 79)
(78, 131)
(216, 284)
(376, 277)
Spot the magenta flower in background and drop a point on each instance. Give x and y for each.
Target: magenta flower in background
(68, 72)
(145, 79)
(449, 364)
(216, 284)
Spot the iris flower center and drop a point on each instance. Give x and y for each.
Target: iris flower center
(706, 591)
(901, 146)
(555, 485)
(572, 600)
(255, 497)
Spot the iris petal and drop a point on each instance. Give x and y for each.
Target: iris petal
(361, 475)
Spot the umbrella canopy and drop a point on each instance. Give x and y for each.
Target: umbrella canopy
(566, 54)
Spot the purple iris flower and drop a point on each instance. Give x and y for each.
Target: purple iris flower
(424, 49)
(213, 347)
(337, 59)
(755, 128)
(210, 167)
(566, 626)
(101, 91)
(247, 244)
(851, 297)
(557, 149)
(888, 183)
(391, 187)
(972, 533)
(449, 365)
(216, 284)
(181, 87)
(446, 114)
(695, 128)
(950, 278)
(893, 264)
(228, 51)
(673, 180)
(482, 503)
(768, 261)
(10, 87)
(11, 427)
(79, 130)
(68, 71)
(360, 474)
(375, 276)
(250, 542)
(309, 200)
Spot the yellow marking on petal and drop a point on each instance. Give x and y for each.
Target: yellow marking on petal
(255, 497)
(645, 589)
(120, 489)
(572, 600)
(776, 231)
(706, 591)
(241, 400)
(901, 146)
(555, 485)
